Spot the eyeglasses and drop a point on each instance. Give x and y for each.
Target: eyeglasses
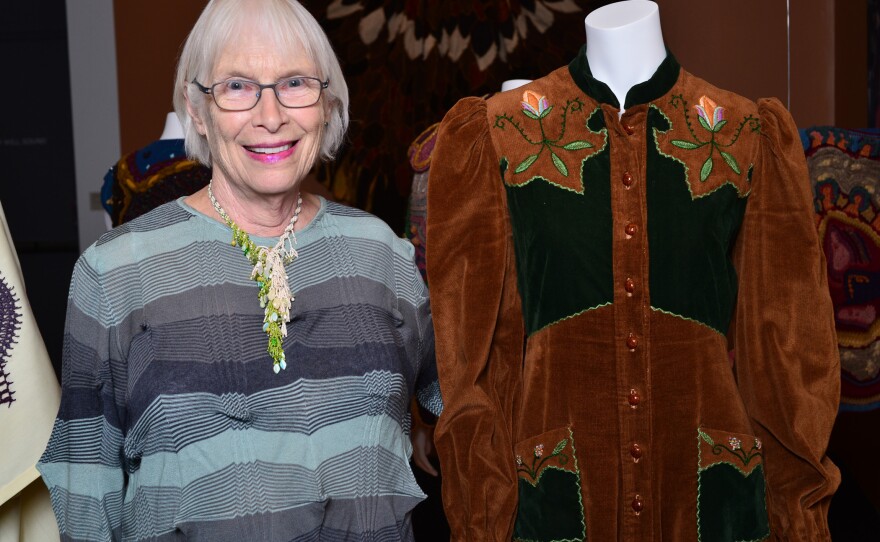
(242, 95)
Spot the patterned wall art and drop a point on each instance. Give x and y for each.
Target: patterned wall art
(845, 174)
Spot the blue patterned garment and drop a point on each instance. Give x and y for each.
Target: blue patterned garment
(173, 425)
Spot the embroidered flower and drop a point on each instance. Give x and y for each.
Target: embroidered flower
(735, 443)
(711, 118)
(709, 113)
(519, 460)
(758, 443)
(539, 450)
(535, 106)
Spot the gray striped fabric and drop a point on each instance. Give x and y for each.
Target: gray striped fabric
(173, 425)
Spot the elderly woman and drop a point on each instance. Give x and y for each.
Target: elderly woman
(238, 364)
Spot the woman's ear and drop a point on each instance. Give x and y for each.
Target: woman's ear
(197, 120)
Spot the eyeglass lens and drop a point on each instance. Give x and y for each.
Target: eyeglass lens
(241, 94)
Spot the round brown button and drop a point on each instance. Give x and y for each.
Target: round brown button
(638, 504)
(634, 398)
(632, 342)
(627, 179)
(636, 452)
(628, 128)
(630, 229)
(629, 285)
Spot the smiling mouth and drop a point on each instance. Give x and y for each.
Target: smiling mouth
(270, 150)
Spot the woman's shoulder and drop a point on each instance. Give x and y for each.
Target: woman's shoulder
(137, 239)
(357, 224)
(163, 216)
(353, 220)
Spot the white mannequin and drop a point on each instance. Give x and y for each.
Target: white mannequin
(624, 44)
(511, 84)
(173, 129)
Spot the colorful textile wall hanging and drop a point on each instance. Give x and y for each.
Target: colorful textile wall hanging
(845, 173)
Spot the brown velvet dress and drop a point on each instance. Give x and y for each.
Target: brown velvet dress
(634, 334)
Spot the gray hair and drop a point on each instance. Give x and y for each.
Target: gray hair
(285, 23)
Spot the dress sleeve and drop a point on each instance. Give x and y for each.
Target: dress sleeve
(82, 463)
(787, 363)
(478, 324)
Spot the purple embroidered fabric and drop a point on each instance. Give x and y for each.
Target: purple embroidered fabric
(10, 323)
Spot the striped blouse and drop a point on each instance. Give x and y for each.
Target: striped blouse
(173, 425)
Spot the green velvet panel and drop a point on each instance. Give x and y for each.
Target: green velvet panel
(562, 242)
(732, 506)
(690, 241)
(551, 511)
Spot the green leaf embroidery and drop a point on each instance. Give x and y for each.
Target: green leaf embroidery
(546, 112)
(707, 438)
(704, 123)
(731, 161)
(530, 114)
(524, 165)
(682, 144)
(560, 165)
(577, 145)
(559, 447)
(706, 169)
(719, 125)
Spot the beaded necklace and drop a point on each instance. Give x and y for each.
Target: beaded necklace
(269, 273)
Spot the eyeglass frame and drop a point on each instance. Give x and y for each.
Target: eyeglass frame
(260, 87)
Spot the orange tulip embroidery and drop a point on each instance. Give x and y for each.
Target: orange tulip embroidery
(711, 119)
(537, 108)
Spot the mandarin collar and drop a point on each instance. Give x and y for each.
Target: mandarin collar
(659, 84)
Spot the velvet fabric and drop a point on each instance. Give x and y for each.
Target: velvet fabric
(706, 201)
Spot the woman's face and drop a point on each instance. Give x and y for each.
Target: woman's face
(268, 149)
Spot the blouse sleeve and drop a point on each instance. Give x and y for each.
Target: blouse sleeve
(787, 361)
(415, 309)
(478, 324)
(82, 463)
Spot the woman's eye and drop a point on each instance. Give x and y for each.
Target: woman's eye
(236, 86)
(293, 83)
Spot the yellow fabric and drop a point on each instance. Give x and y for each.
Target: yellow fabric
(25, 423)
(28, 517)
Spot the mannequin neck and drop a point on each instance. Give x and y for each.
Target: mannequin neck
(624, 44)
(173, 129)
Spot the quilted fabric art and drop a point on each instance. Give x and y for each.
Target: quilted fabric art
(845, 174)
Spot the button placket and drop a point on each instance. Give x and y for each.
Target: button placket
(632, 321)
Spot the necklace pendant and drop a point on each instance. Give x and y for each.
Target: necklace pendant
(274, 292)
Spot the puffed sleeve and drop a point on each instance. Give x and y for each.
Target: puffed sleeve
(478, 325)
(82, 463)
(787, 361)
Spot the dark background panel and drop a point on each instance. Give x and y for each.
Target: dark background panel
(37, 185)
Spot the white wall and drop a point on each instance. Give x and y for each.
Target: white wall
(95, 104)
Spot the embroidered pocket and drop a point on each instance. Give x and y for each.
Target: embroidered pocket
(731, 503)
(550, 507)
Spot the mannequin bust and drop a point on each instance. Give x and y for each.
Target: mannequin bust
(624, 44)
(173, 129)
(511, 84)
